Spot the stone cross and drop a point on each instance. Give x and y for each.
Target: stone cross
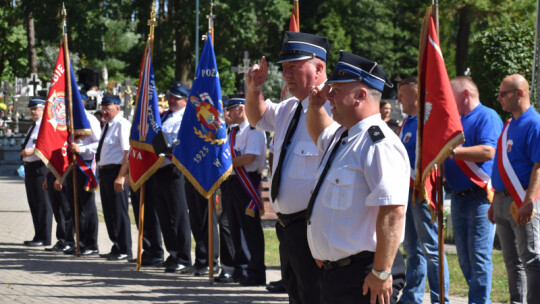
(34, 82)
(243, 69)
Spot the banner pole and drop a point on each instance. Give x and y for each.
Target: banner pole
(440, 214)
(141, 225)
(72, 131)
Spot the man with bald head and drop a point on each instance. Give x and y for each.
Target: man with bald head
(516, 180)
(467, 172)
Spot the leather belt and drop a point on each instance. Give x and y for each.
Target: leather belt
(363, 255)
(468, 191)
(287, 219)
(109, 167)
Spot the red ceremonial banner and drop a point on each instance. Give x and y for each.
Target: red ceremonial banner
(51, 144)
(439, 124)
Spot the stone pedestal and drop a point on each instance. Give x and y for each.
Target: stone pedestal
(10, 157)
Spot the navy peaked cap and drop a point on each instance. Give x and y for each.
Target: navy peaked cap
(352, 67)
(300, 46)
(109, 99)
(36, 101)
(234, 100)
(179, 90)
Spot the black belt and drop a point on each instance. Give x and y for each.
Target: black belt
(361, 256)
(34, 164)
(109, 167)
(468, 191)
(287, 219)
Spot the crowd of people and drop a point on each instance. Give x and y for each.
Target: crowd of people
(341, 187)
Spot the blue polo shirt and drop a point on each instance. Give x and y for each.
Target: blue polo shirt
(408, 138)
(523, 142)
(482, 126)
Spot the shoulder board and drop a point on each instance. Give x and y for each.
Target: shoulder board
(375, 133)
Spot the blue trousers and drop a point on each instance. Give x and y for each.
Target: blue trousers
(421, 245)
(474, 235)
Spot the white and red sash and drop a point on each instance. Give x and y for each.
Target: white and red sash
(256, 201)
(89, 170)
(477, 176)
(507, 173)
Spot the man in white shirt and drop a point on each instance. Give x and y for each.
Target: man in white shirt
(303, 57)
(241, 199)
(356, 213)
(35, 174)
(111, 153)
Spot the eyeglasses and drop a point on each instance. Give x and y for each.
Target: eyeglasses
(503, 93)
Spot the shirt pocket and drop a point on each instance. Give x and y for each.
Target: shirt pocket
(303, 164)
(339, 189)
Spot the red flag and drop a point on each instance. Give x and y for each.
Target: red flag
(51, 145)
(439, 124)
(293, 27)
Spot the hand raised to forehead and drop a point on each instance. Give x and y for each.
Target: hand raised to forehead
(257, 76)
(317, 97)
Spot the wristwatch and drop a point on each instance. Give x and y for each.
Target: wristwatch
(383, 275)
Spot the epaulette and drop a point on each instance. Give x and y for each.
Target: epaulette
(375, 133)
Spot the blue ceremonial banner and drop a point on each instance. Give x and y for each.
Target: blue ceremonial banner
(81, 125)
(143, 162)
(202, 153)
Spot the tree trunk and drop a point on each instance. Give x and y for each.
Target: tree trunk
(32, 57)
(183, 69)
(462, 40)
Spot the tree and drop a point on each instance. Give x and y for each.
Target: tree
(13, 59)
(500, 52)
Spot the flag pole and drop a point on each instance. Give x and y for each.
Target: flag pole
(439, 176)
(152, 23)
(297, 13)
(71, 129)
(210, 202)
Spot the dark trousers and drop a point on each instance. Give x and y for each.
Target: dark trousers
(198, 217)
(62, 212)
(246, 231)
(169, 199)
(299, 272)
(88, 217)
(152, 246)
(344, 285)
(226, 246)
(38, 200)
(115, 210)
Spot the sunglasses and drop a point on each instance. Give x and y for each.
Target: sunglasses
(503, 93)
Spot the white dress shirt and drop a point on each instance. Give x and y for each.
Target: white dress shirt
(251, 141)
(31, 144)
(89, 144)
(116, 141)
(171, 126)
(363, 176)
(302, 159)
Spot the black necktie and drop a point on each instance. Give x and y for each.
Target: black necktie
(276, 178)
(166, 116)
(100, 145)
(323, 174)
(28, 135)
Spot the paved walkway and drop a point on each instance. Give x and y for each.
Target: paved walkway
(32, 275)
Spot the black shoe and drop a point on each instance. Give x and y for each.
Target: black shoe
(70, 250)
(252, 282)
(58, 247)
(225, 278)
(106, 255)
(177, 267)
(34, 243)
(89, 251)
(204, 271)
(118, 257)
(276, 287)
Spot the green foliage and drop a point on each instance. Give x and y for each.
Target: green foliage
(13, 53)
(499, 52)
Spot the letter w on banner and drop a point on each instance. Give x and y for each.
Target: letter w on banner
(52, 141)
(439, 124)
(202, 153)
(143, 162)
